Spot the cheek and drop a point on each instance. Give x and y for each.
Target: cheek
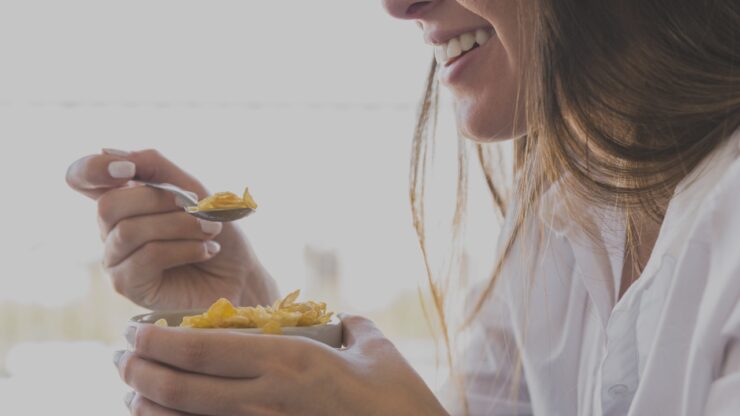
(488, 107)
(476, 6)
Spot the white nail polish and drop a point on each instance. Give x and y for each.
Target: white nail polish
(212, 247)
(116, 152)
(122, 169)
(210, 227)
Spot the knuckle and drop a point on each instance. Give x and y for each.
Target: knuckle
(303, 362)
(123, 234)
(142, 341)
(118, 280)
(307, 376)
(190, 223)
(151, 154)
(192, 251)
(119, 286)
(150, 251)
(128, 369)
(106, 210)
(170, 391)
(200, 251)
(377, 343)
(194, 353)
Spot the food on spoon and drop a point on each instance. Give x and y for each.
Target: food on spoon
(225, 200)
(271, 319)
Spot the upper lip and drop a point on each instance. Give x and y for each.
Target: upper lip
(440, 37)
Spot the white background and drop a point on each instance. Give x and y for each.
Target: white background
(310, 103)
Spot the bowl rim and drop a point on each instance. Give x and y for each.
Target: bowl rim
(149, 318)
(331, 333)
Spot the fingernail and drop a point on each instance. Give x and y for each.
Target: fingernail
(128, 398)
(210, 227)
(116, 152)
(122, 169)
(213, 247)
(117, 357)
(130, 335)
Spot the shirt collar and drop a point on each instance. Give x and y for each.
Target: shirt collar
(598, 260)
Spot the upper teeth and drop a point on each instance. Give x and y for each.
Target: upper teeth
(455, 47)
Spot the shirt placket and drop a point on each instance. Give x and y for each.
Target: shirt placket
(619, 367)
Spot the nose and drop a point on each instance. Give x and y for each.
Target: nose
(407, 9)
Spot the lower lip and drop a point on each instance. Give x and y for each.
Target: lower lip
(453, 72)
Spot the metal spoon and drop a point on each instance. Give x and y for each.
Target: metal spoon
(187, 200)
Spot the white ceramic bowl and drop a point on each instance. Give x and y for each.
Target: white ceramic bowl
(329, 334)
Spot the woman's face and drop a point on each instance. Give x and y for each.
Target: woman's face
(476, 44)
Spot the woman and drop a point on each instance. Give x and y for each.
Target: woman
(617, 279)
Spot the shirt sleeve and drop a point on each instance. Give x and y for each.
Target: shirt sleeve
(723, 398)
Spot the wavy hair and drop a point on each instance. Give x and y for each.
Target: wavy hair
(622, 100)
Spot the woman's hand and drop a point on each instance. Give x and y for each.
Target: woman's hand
(183, 372)
(156, 254)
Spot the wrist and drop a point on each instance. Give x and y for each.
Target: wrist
(259, 287)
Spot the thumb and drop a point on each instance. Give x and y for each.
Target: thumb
(152, 166)
(95, 175)
(357, 330)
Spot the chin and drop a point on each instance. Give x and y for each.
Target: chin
(488, 126)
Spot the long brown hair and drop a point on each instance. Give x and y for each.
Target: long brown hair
(622, 100)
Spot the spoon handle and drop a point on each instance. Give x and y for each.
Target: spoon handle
(184, 196)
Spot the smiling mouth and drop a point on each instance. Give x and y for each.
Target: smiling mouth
(452, 50)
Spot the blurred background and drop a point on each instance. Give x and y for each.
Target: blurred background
(310, 103)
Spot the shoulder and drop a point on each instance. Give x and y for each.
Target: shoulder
(721, 207)
(711, 193)
(705, 232)
(726, 194)
(716, 227)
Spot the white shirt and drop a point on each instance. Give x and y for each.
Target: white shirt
(669, 346)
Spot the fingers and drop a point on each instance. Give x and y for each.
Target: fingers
(225, 355)
(141, 406)
(141, 273)
(181, 391)
(130, 234)
(121, 203)
(357, 330)
(94, 175)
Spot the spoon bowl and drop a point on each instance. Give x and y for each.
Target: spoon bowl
(222, 215)
(188, 201)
